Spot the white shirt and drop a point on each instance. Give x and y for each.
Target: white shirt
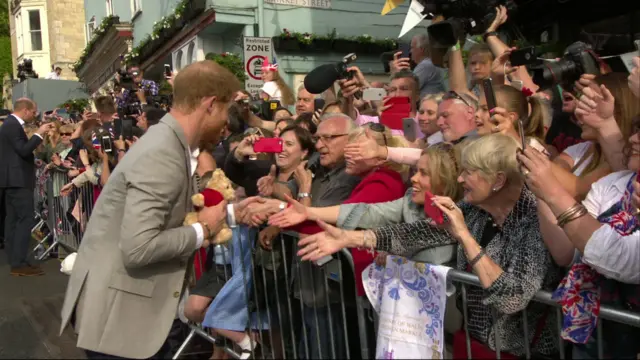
(271, 88)
(609, 253)
(577, 152)
(53, 76)
(193, 160)
(435, 138)
(22, 124)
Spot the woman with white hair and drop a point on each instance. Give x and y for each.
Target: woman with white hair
(497, 228)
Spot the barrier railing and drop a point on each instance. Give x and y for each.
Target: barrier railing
(65, 216)
(325, 340)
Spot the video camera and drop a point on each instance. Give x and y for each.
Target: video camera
(578, 59)
(263, 109)
(323, 77)
(462, 17)
(25, 70)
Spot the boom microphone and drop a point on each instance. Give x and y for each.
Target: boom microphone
(323, 77)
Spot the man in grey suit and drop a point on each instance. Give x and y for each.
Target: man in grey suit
(130, 271)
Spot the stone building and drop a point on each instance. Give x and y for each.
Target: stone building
(49, 32)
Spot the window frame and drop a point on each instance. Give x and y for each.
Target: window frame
(109, 4)
(17, 18)
(31, 32)
(90, 28)
(136, 7)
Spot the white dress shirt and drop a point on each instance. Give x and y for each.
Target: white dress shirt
(22, 124)
(53, 76)
(609, 253)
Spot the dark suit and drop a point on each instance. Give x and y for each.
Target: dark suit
(17, 183)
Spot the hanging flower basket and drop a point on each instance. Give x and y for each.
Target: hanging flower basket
(344, 46)
(194, 8)
(286, 44)
(322, 45)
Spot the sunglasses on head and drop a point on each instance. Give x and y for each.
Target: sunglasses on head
(379, 128)
(452, 95)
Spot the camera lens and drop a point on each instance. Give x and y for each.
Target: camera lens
(563, 72)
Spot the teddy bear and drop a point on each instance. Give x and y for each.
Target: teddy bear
(218, 188)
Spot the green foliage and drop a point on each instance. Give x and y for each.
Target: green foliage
(4, 19)
(307, 38)
(6, 61)
(106, 23)
(75, 105)
(232, 62)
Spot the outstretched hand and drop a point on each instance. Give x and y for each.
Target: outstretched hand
(291, 216)
(317, 246)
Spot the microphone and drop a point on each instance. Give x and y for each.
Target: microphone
(321, 78)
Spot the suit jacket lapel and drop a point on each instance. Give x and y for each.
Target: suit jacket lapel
(170, 121)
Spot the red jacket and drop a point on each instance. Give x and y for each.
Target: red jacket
(381, 185)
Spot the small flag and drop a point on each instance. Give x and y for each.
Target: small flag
(266, 66)
(414, 17)
(390, 5)
(95, 141)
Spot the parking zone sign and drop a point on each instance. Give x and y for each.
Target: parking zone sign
(256, 50)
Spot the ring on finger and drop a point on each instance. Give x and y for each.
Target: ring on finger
(525, 172)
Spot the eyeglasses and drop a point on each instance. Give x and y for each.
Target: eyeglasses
(454, 95)
(327, 138)
(379, 128)
(66, 134)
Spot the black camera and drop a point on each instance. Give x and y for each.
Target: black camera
(342, 66)
(462, 17)
(578, 59)
(25, 70)
(125, 79)
(263, 109)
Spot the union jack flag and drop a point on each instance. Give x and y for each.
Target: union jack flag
(266, 66)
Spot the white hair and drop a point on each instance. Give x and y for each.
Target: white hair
(350, 124)
(422, 41)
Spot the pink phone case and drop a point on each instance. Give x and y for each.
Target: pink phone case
(268, 145)
(432, 211)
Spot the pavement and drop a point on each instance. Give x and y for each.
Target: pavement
(30, 315)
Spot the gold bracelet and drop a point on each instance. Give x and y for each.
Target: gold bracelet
(575, 212)
(567, 213)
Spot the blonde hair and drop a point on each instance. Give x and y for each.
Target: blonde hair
(200, 80)
(492, 154)
(514, 100)
(287, 98)
(379, 137)
(483, 50)
(443, 169)
(30, 130)
(437, 98)
(66, 128)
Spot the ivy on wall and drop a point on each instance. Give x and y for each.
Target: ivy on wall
(106, 23)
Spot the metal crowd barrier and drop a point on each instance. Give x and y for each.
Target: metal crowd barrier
(287, 338)
(272, 283)
(65, 217)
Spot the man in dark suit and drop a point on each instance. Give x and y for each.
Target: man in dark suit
(17, 183)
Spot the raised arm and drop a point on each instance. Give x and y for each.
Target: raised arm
(18, 140)
(368, 216)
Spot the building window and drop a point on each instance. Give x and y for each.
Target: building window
(109, 7)
(179, 60)
(135, 6)
(191, 53)
(91, 28)
(19, 39)
(35, 30)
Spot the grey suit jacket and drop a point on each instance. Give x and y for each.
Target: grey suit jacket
(131, 264)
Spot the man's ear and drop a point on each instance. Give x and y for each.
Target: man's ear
(209, 102)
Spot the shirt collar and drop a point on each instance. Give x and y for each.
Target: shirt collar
(19, 119)
(194, 159)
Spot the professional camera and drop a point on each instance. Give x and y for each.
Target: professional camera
(462, 17)
(578, 59)
(324, 76)
(25, 70)
(125, 79)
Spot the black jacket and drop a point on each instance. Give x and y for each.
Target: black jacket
(17, 161)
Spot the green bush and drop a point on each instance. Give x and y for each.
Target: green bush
(232, 62)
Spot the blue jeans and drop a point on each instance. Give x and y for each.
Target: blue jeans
(319, 337)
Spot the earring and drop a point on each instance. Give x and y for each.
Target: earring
(494, 190)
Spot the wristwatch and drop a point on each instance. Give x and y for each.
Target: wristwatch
(303, 195)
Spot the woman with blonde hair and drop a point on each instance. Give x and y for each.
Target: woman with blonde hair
(427, 120)
(274, 87)
(497, 230)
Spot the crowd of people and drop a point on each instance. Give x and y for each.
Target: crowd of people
(537, 192)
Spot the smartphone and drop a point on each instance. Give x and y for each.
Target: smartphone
(522, 138)
(318, 104)
(409, 129)
(487, 86)
(400, 108)
(107, 145)
(374, 94)
(524, 56)
(431, 211)
(126, 128)
(406, 50)
(268, 145)
(167, 70)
